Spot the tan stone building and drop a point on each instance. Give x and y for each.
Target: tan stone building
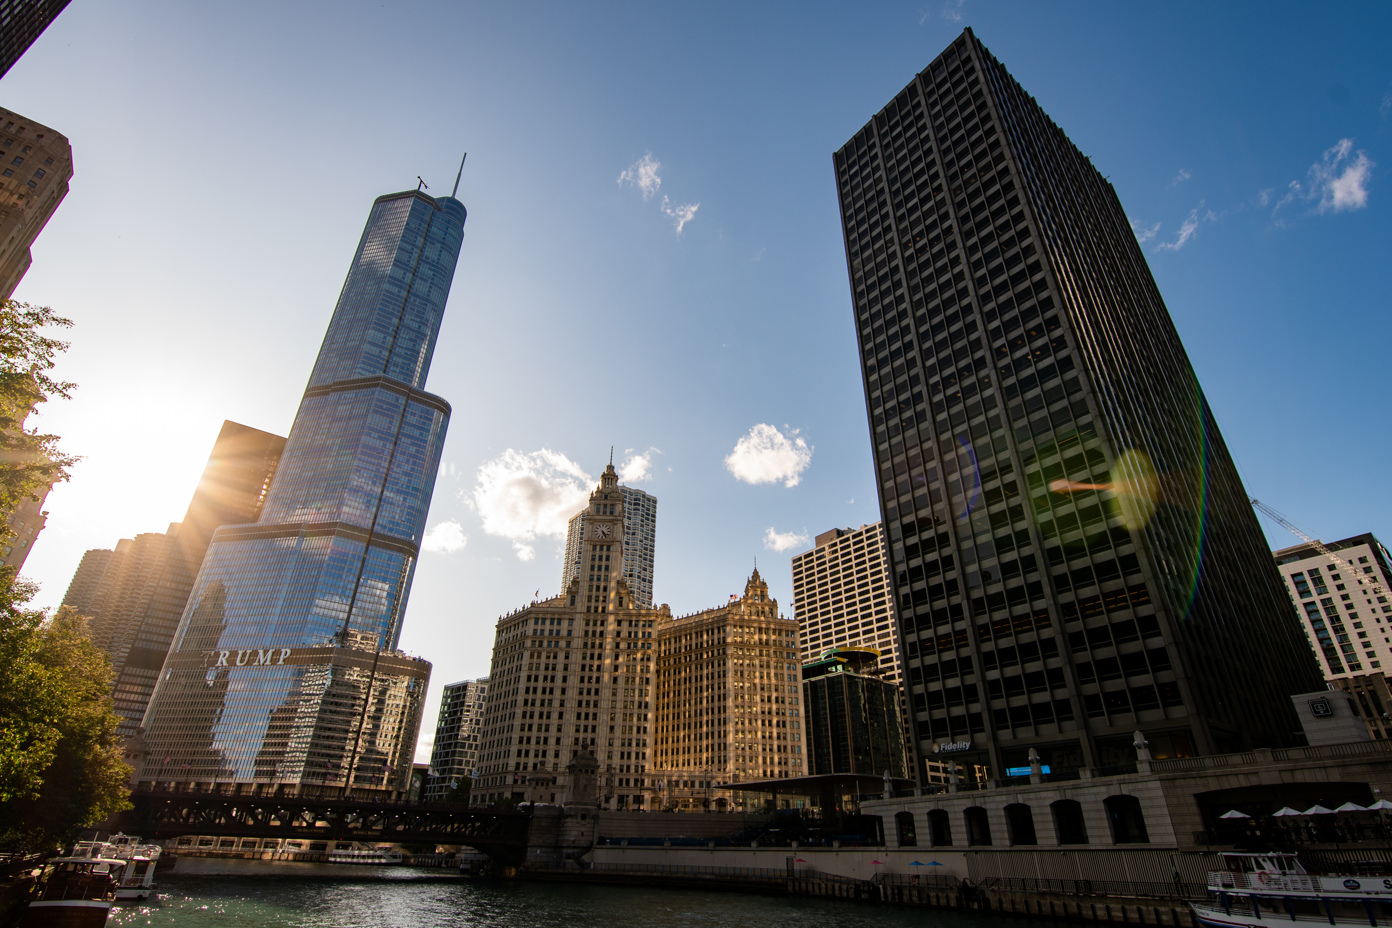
(574, 670)
(728, 700)
(841, 596)
(35, 167)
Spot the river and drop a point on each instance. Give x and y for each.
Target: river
(402, 902)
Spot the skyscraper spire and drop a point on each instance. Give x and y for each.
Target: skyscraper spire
(459, 175)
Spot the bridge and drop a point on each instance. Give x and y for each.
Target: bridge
(159, 815)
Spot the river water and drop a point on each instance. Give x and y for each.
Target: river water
(402, 902)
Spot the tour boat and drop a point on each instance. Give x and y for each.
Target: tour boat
(1265, 890)
(363, 854)
(136, 878)
(73, 892)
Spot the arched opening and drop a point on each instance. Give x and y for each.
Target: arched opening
(939, 828)
(978, 827)
(904, 823)
(1068, 821)
(1125, 819)
(1019, 825)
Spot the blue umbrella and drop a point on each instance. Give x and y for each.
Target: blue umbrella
(916, 863)
(934, 863)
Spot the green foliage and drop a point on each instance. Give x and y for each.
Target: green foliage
(60, 760)
(29, 461)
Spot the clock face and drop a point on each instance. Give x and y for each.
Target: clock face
(603, 530)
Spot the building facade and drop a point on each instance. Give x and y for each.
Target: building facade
(728, 704)
(454, 756)
(284, 670)
(574, 671)
(853, 720)
(21, 22)
(1372, 695)
(113, 589)
(26, 522)
(1347, 618)
(134, 595)
(1072, 551)
(842, 596)
(231, 491)
(35, 166)
(640, 536)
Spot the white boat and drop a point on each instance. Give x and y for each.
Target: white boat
(1266, 890)
(357, 853)
(136, 878)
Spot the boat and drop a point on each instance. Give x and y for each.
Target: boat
(1265, 890)
(358, 853)
(73, 892)
(136, 879)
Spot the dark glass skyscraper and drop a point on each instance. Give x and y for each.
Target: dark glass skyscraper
(1072, 551)
(284, 670)
(21, 22)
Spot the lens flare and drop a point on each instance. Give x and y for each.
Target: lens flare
(1136, 490)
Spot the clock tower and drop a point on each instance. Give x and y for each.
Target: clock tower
(600, 579)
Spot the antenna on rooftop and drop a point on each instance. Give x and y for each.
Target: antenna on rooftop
(459, 175)
(422, 185)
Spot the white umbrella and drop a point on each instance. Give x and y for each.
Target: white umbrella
(1233, 813)
(1287, 810)
(1382, 805)
(1351, 807)
(1317, 810)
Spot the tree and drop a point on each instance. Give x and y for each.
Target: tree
(60, 759)
(29, 460)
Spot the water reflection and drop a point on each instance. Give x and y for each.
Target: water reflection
(242, 902)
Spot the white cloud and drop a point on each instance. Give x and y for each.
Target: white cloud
(1385, 107)
(1180, 178)
(784, 541)
(1186, 232)
(681, 214)
(1337, 183)
(766, 455)
(952, 11)
(519, 496)
(1145, 235)
(637, 467)
(1188, 228)
(643, 175)
(445, 538)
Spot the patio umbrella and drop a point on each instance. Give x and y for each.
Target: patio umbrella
(799, 860)
(1351, 807)
(1382, 805)
(1287, 810)
(934, 863)
(877, 862)
(1233, 813)
(917, 863)
(1317, 810)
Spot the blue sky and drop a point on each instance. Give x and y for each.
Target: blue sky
(226, 156)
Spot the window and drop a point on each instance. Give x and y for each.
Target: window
(978, 826)
(39, 173)
(47, 161)
(1126, 820)
(17, 161)
(9, 172)
(1019, 825)
(1068, 822)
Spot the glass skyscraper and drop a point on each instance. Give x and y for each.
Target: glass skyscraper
(1072, 551)
(284, 669)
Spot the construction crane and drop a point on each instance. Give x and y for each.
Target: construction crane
(1349, 569)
